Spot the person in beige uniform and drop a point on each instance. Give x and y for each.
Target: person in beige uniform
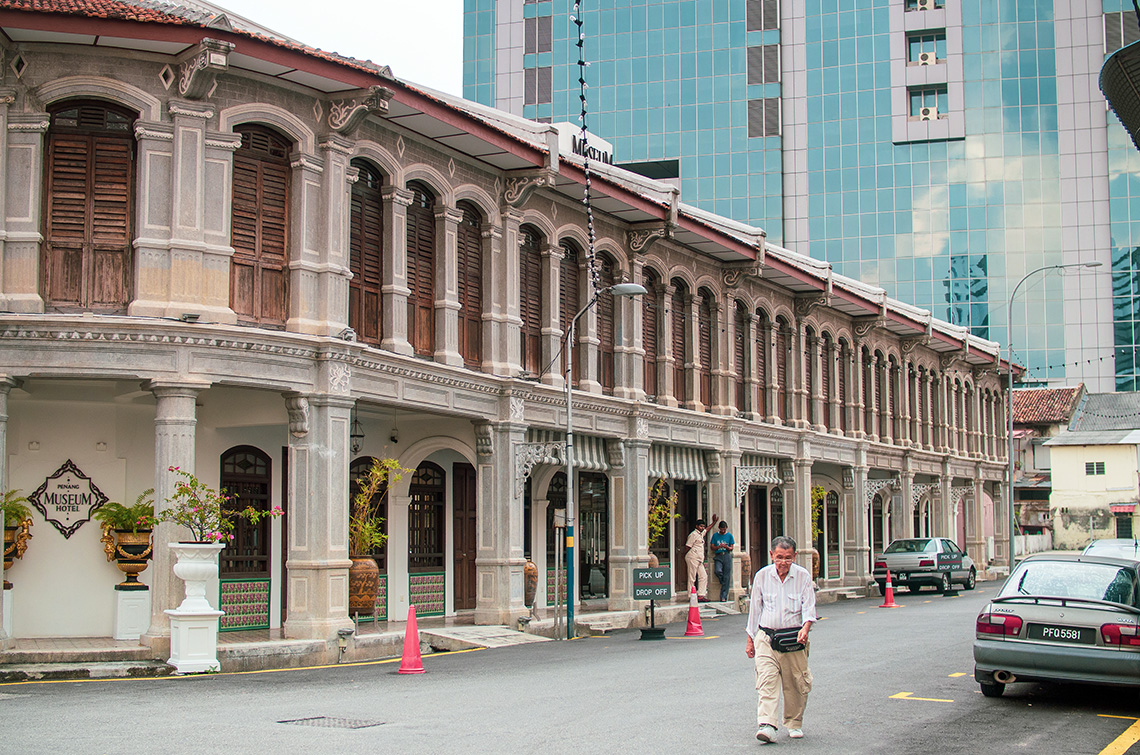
(695, 560)
(782, 598)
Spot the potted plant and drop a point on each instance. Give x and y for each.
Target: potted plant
(17, 528)
(662, 510)
(131, 545)
(366, 532)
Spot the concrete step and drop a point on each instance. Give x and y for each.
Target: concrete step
(75, 654)
(23, 672)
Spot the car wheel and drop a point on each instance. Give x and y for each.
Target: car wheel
(946, 586)
(972, 580)
(992, 690)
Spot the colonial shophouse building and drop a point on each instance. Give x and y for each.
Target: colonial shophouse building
(226, 252)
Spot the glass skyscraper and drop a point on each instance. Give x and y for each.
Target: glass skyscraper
(939, 148)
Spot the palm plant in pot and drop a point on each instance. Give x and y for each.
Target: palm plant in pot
(130, 546)
(17, 528)
(366, 532)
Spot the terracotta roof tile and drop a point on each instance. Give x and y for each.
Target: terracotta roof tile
(1041, 406)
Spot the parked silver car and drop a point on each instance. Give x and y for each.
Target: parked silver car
(1061, 618)
(1116, 547)
(918, 561)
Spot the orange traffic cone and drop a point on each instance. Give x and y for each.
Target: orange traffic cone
(412, 663)
(889, 598)
(694, 627)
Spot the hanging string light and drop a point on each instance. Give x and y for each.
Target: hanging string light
(591, 236)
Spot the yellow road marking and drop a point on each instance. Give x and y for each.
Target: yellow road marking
(910, 696)
(1131, 736)
(926, 601)
(860, 612)
(702, 637)
(958, 673)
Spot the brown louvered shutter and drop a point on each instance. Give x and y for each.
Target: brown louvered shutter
(704, 328)
(677, 310)
(844, 358)
(530, 301)
(763, 333)
(568, 304)
(366, 255)
(739, 361)
(781, 371)
(606, 326)
(89, 207)
(259, 228)
(421, 269)
(825, 381)
(470, 260)
(649, 331)
(809, 379)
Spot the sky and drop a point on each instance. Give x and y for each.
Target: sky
(421, 40)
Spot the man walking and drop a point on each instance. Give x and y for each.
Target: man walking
(695, 561)
(780, 614)
(722, 544)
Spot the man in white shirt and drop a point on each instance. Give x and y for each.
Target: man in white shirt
(695, 560)
(782, 597)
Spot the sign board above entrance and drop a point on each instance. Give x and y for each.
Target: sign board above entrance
(67, 498)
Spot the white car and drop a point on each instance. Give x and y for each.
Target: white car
(917, 561)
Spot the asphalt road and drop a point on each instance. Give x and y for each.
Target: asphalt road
(599, 695)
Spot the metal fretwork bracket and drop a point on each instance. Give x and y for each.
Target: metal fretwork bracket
(874, 486)
(748, 476)
(957, 493)
(919, 489)
(530, 455)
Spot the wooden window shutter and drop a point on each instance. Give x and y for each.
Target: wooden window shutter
(809, 378)
(88, 257)
(650, 331)
(763, 333)
(704, 329)
(844, 360)
(569, 302)
(259, 228)
(530, 300)
(739, 359)
(825, 381)
(781, 371)
(421, 271)
(366, 255)
(606, 330)
(470, 260)
(680, 318)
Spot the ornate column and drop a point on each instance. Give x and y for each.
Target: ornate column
(692, 338)
(799, 389)
(332, 273)
(21, 224)
(307, 176)
(502, 332)
(629, 352)
(905, 528)
(976, 534)
(753, 386)
(317, 561)
(903, 404)
(551, 325)
(168, 267)
(820, 403)
(175, 418)
(797, 501)
(860, 536)
(629, 493)
(768, 343)
(6, 385)
(446, 279)
(499, 561)
(835, 401)
(874, 400)
(722, 369)
(395, 290)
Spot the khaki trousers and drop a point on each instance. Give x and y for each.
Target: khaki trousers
(774, 671)
(696, 571)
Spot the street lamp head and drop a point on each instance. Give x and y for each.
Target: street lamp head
(627, 289)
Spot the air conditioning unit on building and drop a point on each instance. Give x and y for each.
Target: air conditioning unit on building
(926, 4)
(926, 59)
(928, 114)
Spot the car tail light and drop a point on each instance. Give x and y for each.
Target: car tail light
(1004, 624)
(1124, 635)
(880, 564)
(926, 563)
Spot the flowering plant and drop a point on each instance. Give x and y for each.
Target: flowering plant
(201, 509)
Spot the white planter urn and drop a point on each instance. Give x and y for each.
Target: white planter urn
(194, 624)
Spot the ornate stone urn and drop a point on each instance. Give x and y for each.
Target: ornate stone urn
(15, 544)
(130, 551)
(194, 624)
(363, 585)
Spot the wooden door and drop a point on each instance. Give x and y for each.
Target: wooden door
(465, 520)
(758, 537)
(246, 477)
(89, 185)
(684, 523)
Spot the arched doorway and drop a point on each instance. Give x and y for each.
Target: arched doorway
(244, 567)
(426, 531)
(877, 527)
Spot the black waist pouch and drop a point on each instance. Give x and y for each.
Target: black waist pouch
(784, 640)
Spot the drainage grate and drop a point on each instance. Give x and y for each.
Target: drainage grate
(332, 722)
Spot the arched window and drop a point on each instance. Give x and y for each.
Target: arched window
(781, 368)
(650, 328)
(245, 475)
(569, 302)
(259, 228)
(606, 330)
(831, 529)
(680, 341)
(530, 298)
(426, 523)
(89, 206)
(740, 357)
(357, 470)
(705, 338)
(421, 270)
(469, 254)
(366, 254)
(763, 337)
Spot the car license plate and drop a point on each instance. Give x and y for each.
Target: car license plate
(1057, 633)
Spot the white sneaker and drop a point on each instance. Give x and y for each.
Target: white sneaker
(766, 734)
(796, 733)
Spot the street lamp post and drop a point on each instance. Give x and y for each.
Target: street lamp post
(619, 289)
(1009, 394)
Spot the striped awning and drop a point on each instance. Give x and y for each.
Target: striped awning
(589, 450)
(770, 474)
(677, 463)
(1123, 508)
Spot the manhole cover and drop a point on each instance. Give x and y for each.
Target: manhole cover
(332, 722)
